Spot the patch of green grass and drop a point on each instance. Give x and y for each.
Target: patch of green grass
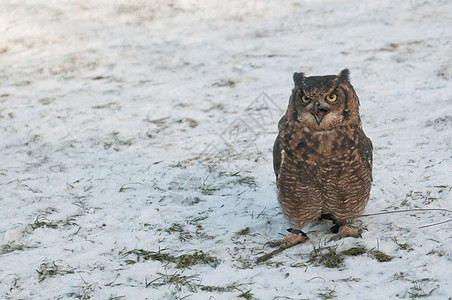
(327, 294)
(326, 256)
(42, 222)
(143, 255)
(199, 230)
(8, 248)
(224, 83)
(247, 295)
(216, 288)
(354, 251)
(175, 227)
(330, 258)
(33, 190)
(400, 276)
(249, 181)
(51, 269)
(424, 196)
(244, 231)
(193, 284)
(194, 221)
(116, 297)
(179, 164)
(184, 235)
(84, 291)
(437, 252)
(195, 229)
(416, 291)
(401, 246)
(242, 259)
(350, 279)
(197, 257)
(238, 179)
(177, 280)
(208, 190)
(380, 256)
(195, 200)
(299, 265)
(183, 261)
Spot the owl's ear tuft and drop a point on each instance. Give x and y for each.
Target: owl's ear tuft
(298, 78)
(343, 75)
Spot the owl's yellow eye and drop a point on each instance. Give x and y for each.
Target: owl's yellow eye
(331, 97)
(305, 99)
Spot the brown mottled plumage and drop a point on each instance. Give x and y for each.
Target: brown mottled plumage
(321, 157)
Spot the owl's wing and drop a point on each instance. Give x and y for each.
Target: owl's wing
(277, 153)
(365, 148)
(277, 148)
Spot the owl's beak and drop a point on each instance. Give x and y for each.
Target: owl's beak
(319, 112)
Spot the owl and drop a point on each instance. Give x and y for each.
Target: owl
(321, 157)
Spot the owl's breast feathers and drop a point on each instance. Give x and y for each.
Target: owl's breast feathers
(340, 148)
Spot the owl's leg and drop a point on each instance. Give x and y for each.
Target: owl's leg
(295, 237)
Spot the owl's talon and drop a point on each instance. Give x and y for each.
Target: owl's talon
(274, 244)
(290, 240)
(287, 242)
(345, 231)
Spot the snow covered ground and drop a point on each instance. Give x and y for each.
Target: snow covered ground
(136, 145)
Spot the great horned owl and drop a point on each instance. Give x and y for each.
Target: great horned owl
(321, 157)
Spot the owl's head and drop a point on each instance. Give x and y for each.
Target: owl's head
(324, 102)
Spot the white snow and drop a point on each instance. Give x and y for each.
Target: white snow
(114, 118)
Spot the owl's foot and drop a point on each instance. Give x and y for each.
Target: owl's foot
(294, 238)
(345, 231)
